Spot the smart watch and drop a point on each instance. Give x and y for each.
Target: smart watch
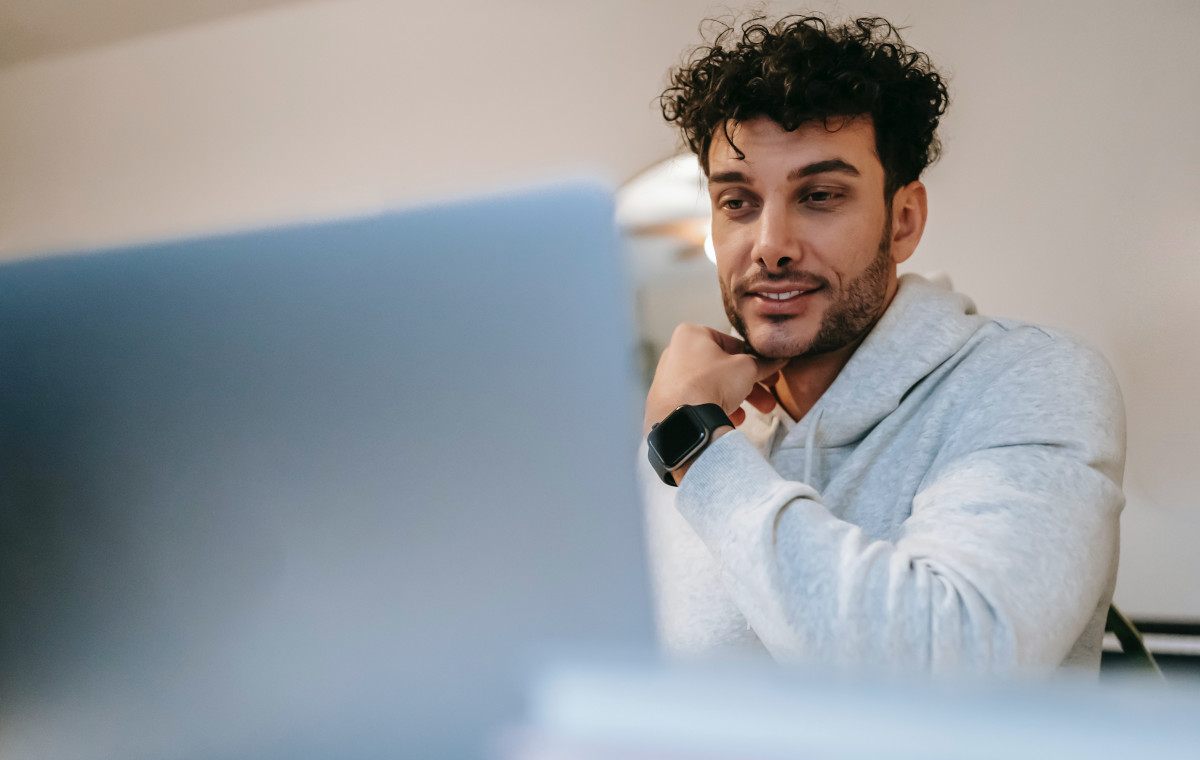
(682, 436)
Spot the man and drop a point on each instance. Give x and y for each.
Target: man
(909, 485)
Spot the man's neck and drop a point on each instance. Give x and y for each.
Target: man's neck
(806, 378)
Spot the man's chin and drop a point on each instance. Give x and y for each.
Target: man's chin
(773, 347)
(773, 338)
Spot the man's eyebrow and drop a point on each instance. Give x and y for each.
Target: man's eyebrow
(821, 167)
(728, 177)
(818, 167)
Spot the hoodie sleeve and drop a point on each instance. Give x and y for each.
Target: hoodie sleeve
(1009, 548)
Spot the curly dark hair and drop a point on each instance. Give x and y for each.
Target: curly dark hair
(803, 69)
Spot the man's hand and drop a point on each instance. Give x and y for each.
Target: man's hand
(703, 366)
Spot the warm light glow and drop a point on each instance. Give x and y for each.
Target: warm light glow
(710, 250)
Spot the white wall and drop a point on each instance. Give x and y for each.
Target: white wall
(1069, 192)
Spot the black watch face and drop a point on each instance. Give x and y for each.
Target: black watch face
(677, 437)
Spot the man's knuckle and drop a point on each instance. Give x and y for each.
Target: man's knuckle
(684, 329)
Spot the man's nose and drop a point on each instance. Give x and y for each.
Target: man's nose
(776, 246)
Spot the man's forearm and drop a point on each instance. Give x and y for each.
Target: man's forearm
(945, 596)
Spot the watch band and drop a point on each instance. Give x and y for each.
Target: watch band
(713, 416)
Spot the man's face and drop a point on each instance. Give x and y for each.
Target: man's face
(801, 231)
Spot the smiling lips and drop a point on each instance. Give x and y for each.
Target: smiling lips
(791, 301)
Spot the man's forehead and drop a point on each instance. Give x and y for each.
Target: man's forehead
(816, 139)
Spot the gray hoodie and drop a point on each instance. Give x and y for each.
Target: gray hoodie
(950, 504)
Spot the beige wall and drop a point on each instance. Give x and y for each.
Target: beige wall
(321, 108)
(1069, 192)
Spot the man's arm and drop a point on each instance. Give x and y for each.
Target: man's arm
(1010, 545)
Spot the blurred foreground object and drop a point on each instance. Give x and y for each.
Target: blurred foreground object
(314, 491)
(598, 711)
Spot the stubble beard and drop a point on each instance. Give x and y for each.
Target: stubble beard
(846, 320)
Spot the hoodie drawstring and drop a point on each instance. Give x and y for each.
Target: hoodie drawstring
(809, 446)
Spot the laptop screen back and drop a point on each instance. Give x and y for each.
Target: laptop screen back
(314, 491)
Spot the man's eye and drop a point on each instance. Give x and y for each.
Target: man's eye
(734, 204)
(820, 197)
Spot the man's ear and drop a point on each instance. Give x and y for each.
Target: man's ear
(909, 210)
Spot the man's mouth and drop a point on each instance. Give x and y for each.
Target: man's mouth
(784, 295)
(776, 301)
(781, 296)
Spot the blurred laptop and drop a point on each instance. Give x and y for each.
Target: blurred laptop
(315, 491)
(609, 709)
